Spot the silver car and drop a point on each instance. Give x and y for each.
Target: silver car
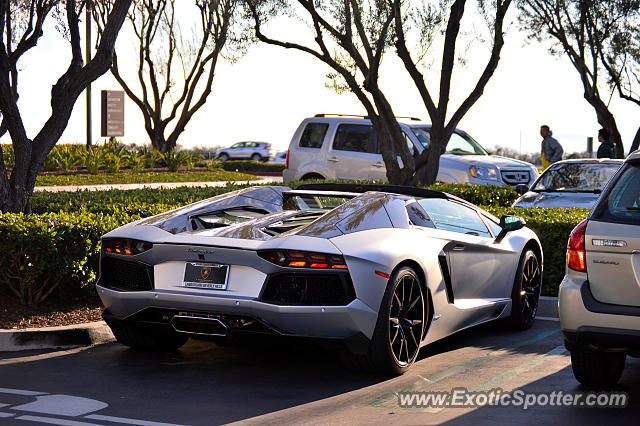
(384, 272)
(570, 183)
(256, 151)
(344, 147)
(599, 297)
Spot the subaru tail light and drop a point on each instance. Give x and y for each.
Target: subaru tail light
(576, 254)
(286, 162)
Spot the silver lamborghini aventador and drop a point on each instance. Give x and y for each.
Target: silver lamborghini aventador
(382, 269)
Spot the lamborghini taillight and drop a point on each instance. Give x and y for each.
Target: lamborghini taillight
(125, 246)
(303, 259)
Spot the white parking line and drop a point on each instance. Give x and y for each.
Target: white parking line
(127, 421)
(4, 415)
(54, 421)
(21, 392)
(548, 319)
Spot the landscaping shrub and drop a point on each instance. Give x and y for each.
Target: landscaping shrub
(553, 227)
(8, 155)
(59, 243)
(175, 159)
(251, 166)
(42, 253)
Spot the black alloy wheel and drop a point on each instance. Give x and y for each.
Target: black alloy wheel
(406, 319)
(526, 291)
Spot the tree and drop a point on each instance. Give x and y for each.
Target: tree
(586, 31)
(621, 57)
(22, 23)
(427, 162)
(352, 37)
(162, 48)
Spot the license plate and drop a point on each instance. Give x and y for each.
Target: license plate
(212, 276)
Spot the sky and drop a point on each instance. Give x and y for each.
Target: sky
(269, 91)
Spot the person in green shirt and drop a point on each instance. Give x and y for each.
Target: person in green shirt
(607, 148)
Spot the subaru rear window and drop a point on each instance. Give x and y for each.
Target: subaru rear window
(621, 203)
(313, 135)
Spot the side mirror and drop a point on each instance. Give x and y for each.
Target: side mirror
(509, 223)
(521, 188)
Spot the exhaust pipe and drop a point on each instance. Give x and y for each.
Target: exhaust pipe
(199, 325)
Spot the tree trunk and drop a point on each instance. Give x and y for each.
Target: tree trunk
(636, 142)
(607, 120)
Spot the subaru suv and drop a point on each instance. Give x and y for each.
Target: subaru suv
(256, 151)
(599, 298)
(346, 147)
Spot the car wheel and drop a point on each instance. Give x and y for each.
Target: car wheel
(312, 176)
(146, 339)
(399, 329)
(223, 157)
(597, 368)
(256, 157)
(526, 291)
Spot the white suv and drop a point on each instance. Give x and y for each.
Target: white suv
(346, 147)
(599, 298)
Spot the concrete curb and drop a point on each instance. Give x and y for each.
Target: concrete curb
(548, 307)
(87, 334)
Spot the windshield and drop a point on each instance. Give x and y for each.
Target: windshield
(576, 177)
(459, 144)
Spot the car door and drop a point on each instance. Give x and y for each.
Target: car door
(378, 171)
(247, 149)
(354, 151)
(478, 267)
(612, 241)
(235, 151)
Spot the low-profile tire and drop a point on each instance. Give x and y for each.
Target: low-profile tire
(256, 157)
(526, 291)
(223, 157)
(399, 329)
(601, 369)
(147, 339)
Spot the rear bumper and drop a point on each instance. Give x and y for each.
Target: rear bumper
(588, 322)
(603, 339)
(337, 322)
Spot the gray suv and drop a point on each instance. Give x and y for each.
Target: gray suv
(599, 298)
(346, 147)
(256, 151)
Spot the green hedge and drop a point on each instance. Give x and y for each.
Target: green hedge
(144, 202)
(65, 244)
(51, 252)
(553, 227)
(251, 166)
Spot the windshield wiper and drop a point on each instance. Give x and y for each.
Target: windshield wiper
(634, 209)
(580, 191)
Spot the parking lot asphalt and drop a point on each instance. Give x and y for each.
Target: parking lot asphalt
(295, 382)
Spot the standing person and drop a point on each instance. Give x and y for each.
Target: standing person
(607, 149)
(551, 149)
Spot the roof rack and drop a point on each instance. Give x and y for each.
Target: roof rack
(341, 115)
(362, 116)
(361, 188)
